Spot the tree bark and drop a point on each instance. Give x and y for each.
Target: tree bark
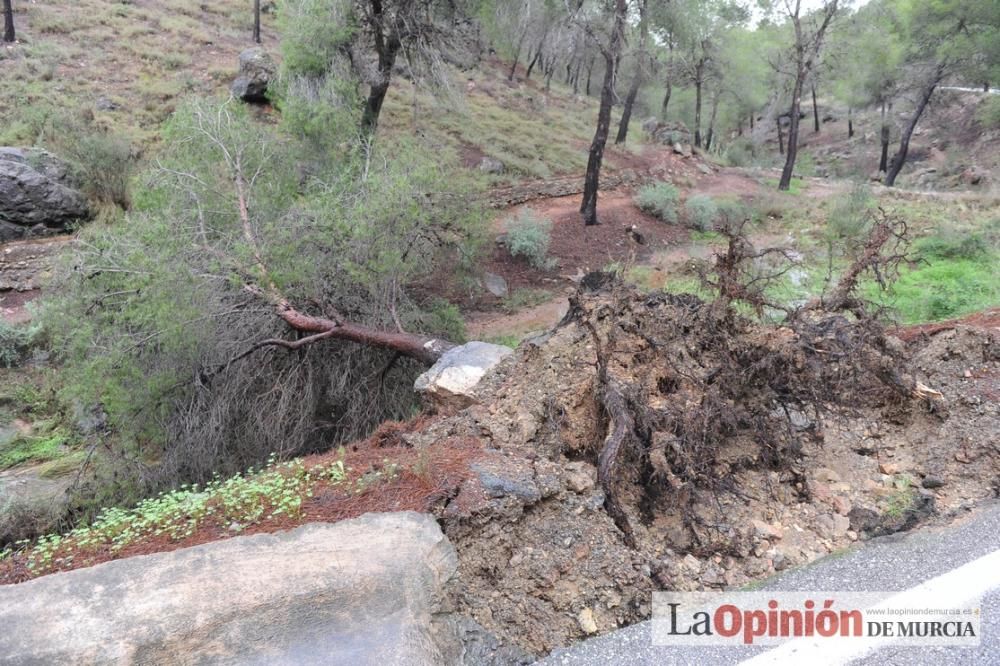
(815, 110)
(633, 92)
(588, 207)
(256, 21)
(8, 22)
(422, 348)
(896, 165)
(711, 122)
(883, 163)
(666, 101)
(793, 136)
(387, 46)
(517, 54)
(807, 51)
(697, 103)
(850, 123)
(534, 61)
(781, 139)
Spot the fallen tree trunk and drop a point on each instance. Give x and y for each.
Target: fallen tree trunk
(422, 348)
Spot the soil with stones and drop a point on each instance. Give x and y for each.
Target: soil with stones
(547, 556)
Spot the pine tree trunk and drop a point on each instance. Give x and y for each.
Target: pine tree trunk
(883, 163)
(666, 102)
(793, 135)
(8, 22)
(781, 139)
(815, 111)
(850, 123)
(590, 72)
(697, 109)
(588, 207)
(256, 21)
(711, 123)
(633, 92)
(376, 96)
(904, 141)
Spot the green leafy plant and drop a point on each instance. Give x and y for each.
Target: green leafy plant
(701, 212)
(16, 342)
(528, 236)
(659, 199)
(233, 504)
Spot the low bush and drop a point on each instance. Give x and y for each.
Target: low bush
(850, 215)
(953, 245)
(15, 343)
(739, 153)
(701, 212)
(660, 199)
(528, 236)
(731, 212)
(988, 113)
(104, 162)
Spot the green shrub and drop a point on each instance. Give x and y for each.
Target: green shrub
(701, 212)
(105, 163)
(953, 245)
(15, 343)
(850, 215)
(731, 212)
(528, 236)
(988, 113)
(739, 153)
(315, 33)
(660, 200)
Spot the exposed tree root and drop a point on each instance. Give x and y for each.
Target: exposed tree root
(692, 391)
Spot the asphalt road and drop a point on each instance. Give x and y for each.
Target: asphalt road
(897, 562)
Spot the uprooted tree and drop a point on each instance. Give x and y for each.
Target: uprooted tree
(692, 390)
(244, 310)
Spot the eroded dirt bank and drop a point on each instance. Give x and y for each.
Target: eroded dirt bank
(778, 481)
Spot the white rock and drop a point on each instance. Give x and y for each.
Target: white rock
(450, 383)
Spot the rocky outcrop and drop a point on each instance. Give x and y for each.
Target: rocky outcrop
(362, 591)
(257, 70)
(450, 383)
(38, 196)
(669, 134)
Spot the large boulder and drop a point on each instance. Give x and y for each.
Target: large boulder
(38, 195)
(450, 383)
(257, 70)
(668, 133)
(362, 591)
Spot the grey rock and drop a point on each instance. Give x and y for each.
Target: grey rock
(499, 482)
(491, 165)
(257, 70)
(496, 285)
(105, 104)
(931, 482)
(479, 647)
(450, 383)
(362, 591)
(37, 194)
